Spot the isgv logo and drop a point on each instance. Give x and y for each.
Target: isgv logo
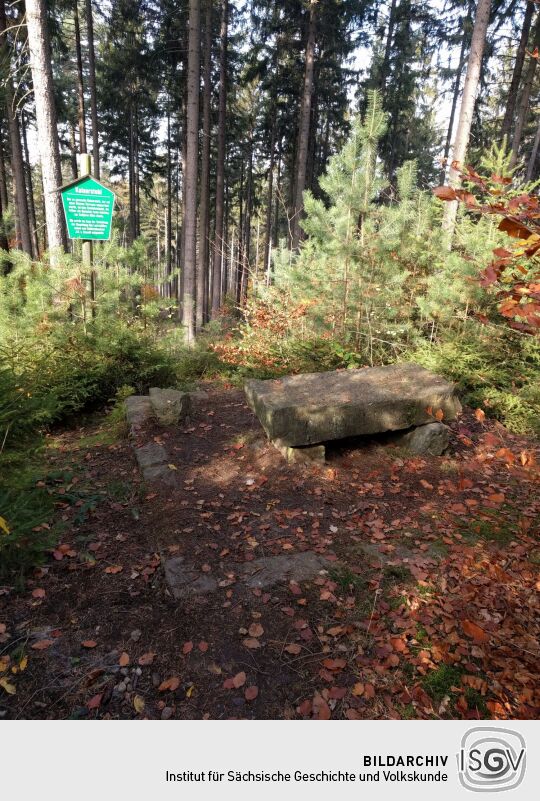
(491, 759)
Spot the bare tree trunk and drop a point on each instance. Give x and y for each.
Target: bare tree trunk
(220, 166)
(523, 107)
(204, 209)
(30, 187)
(80, 80)
(132, 228)
(92, 87)
(516, 75)
(470, 88)
(270, 199)
(168, 214)
(73, 152)
(303, 130)
(389, 38)
(534, 154)
(17, 163)
(192, 163)
(40, 62)
(455, 98)
(4, 198)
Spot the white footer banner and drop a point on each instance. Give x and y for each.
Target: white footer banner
(83, 761)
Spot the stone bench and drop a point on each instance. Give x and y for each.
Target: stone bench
(304, 411)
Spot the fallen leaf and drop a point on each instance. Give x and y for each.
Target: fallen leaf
(251, 693)
(89, 643)
(203, 647)
(39, 593)
(358, 689)
(474, 631)
(124, 659)
(169, 684)
(146, 659)
(95, 701)
(187, 647)
(41, 645)
(9, 688)
(114, 569)
(138, 704)
(251, 642)
(255, 630)
(239, 680)
(293, 648)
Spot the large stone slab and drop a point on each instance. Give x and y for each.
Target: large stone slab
(170, 405)
(270, 570)
(320, 407)
(138, 411)
(183, 581)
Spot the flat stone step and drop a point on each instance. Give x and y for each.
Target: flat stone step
(270, 570)
(138, 411)
(184, 582)
(312, 408)
(170, 405)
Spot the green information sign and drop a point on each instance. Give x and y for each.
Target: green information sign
(88, 206)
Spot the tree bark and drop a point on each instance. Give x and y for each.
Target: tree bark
(270, 197)
(204, 209)
(466, 111)
(4, 197)
(192, 164)
(30, 187)
(388, 47)
(516, 75)
(17, 162)
(523, 107)
(455, 98)
(534, 153)
(40, 62)
(92, 88)
(220, 166)
(168, 213)
(303, 130)
(80, 80)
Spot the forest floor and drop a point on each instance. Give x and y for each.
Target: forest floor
(429, 608)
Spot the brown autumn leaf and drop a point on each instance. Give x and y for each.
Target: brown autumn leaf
(124, 659)
(255, 630)
(439, 415)
(95, 701)
(251, 643)
(203, 647)
(445, 193)
(334, 664)
(89, 643)
(293, 648)
(169, 684)
(358, 689)
(138, 704)
(114, 569)
(239, 680)
(41, 645)
(38, 593)
(369, 690)
(480, 415)
(146, 659)
(251, 693)
(187, 647)
(474, 631)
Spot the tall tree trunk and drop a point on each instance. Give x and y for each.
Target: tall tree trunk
(516, 75)
(270, 197)
(534, 153)
(80, 80)
(40, 62)
(73, 152)
(92, 88)
(455, 98)
(383, 77)
(523, 107)
(303, 129)
(192, 163)
(4, 198)
(168, 213)
(17, 162)
(220, 165)
(204, 210)
(466, 111)
(30, 187)
(132, 228)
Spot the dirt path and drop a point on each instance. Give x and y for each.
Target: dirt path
(427, 605)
